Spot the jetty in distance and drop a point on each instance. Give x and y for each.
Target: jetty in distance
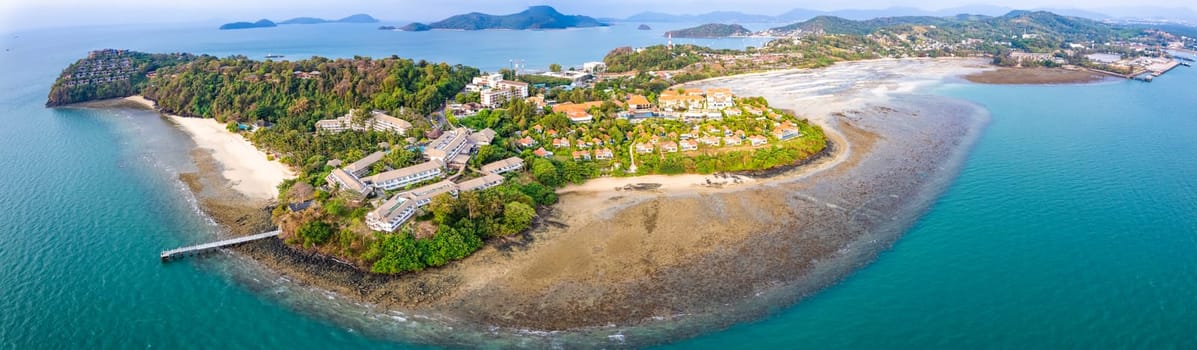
(179, 253)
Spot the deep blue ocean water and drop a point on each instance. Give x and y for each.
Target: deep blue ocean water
(1073, 223)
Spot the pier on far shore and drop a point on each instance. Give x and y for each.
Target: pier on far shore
(179, 253)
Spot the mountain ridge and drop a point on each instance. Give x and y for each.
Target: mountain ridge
(535, 17)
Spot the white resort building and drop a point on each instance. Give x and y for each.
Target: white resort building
(398, 209)
(391, 214)
(449, 146)
(482, 183)
(362, 166)
(340, 178)
(377, 121)
(399, 178)
(493, 90)
(503, 166)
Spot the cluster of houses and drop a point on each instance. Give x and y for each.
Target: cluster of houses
(689, 105)
(493, 90)
(377, 121)
(712, 136)
(451, 149)
(102, 66)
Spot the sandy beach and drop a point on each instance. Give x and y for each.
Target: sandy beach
(249, 171)
(623, 266)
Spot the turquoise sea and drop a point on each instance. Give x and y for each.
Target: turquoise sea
(1073, 223)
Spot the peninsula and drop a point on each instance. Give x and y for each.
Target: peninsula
(535, 17)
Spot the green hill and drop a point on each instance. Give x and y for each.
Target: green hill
(535, 17)
(710, 30)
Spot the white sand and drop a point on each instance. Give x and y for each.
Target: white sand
(247, 168)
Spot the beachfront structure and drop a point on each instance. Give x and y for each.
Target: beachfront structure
(362, 166)
(402, 206)
(448, 146)
(423, 195)
(400, 178)
(377, 121)
(503, 166)
(482, 183)
(343, 179)
(603, 154)
(786, 132)
(391, 214)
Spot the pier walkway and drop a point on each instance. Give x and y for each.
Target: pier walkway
(174, 254)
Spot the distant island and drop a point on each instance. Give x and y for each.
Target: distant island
(644, 27)
(387, 27)
(711, 30)
(357, 18)
(265, 23)
(535, 17)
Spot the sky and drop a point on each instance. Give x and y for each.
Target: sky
(52, 13)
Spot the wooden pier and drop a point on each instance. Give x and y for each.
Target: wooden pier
(178, 253)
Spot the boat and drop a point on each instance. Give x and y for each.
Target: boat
(273, 56)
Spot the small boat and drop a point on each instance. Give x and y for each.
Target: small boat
(273, 56)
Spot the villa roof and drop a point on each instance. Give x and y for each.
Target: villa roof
(474, 184)
(349, 180)
(366, 162)
(380, 116)
(499, 164)
(637, 100)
